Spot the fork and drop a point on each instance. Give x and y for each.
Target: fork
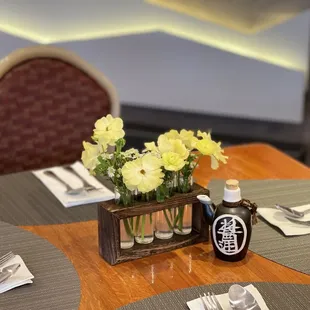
(205, 306)
(6, 257)
(210, 302)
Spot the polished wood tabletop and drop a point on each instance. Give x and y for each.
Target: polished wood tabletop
(109, 287)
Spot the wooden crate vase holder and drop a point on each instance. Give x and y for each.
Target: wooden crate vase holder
(110, 214)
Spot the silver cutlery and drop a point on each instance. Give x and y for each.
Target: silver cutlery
(205, 306)
(210, 302)
(8, 271)
(87, 186)
(292, 213)
(241, 299)
(6, 257)
(69, 190)
(219, 307)
(305, 223)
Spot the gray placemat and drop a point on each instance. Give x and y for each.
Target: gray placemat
(56, 285)
(24, 200)
(268, 240)
(278, 296)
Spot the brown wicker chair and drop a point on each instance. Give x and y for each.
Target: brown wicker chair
(49, 101)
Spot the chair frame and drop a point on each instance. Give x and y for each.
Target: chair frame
(41, 51)
(306, 112)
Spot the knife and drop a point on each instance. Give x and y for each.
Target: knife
(8, 271)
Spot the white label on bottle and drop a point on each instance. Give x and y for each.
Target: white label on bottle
(227, 230)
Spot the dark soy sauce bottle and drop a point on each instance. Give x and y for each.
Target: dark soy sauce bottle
(232, 225)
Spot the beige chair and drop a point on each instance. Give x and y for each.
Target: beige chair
(49, 101)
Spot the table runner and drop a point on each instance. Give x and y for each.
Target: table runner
(56, 285)
(267, 240)
(25, 201)
(278, 296)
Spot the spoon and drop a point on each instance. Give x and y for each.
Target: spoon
(8, 271)
(305, 223)
(69, 189)
(71, 170)
(292, 213)
(87, 186)
(241, 299)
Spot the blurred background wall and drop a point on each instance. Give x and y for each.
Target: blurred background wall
(259, 77)
(160, 70)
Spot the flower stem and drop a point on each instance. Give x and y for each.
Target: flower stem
(181, 216)
(176, 219)
(167, 219)
(170, 213)
(137, 224)
(142, 226)
(128, 229)
(197, 162)
(178, 180)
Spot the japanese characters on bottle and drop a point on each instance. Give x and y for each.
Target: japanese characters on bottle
(232, 224)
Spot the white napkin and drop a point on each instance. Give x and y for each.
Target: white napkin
(21, 277)
(224, 301)
(277, 218)
(58, 189)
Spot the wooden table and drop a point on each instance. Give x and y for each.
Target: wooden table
(107, 287)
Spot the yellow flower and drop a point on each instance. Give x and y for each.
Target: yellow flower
(102, 146)
(206, 147)
(179, 148)
(218, 156)
(150, 146)
(188, 138)
(108, 130)
(172, 134)
(90, 155)
(173, 161)
(144, 174)
(204, 135)
(166, 145)
(214, 163)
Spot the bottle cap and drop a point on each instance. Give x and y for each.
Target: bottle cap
(232, 184)
(232, 191)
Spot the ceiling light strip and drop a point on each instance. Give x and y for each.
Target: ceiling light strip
(171, 30)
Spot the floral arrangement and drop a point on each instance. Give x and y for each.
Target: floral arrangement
(161, 169)
(168, 163)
